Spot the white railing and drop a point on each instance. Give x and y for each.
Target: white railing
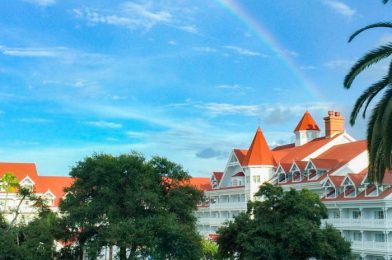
(371, 245)
(361, 223)
(228, 205)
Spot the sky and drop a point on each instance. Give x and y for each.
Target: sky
(184, 79)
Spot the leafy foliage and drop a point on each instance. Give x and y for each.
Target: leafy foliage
(145, 208)
(284, 225)
(379, 131)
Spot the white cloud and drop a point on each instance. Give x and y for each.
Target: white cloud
(339, 64)
(105, 124)
(308, 67)
(137, 16)
(174, 43)
(64, 53)
(41, 2)
(340, 7)
(226, 86)
(244, 52)
(205, 49)
(34, 120)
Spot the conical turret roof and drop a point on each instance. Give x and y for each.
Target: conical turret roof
(307, 123)
(259, 152)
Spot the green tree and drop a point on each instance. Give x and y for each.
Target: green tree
(282, 225)
(142, 207)
(379, 129)
(8, 183)
(35, 240)
(210, 250)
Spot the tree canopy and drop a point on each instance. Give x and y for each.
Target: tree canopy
(144, 208)
(379, 130)
(282, 225)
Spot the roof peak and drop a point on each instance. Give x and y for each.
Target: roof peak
(307, 123)
(259, 153)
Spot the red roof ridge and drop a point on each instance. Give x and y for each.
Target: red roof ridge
(307, 123)
(259, 153)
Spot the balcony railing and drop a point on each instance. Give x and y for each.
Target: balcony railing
(359, 223)
(371, 245)
(228, 205)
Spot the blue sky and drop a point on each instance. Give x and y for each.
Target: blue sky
(185, 79)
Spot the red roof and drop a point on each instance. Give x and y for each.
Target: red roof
(202, 183)
(344, 152)
(326, 164)
(336, 180)
(239, 174)
(55, 184)
(357, 178)
(218, 175)
(259, 152)
(20, 170)
(241, 154)
(298, 153)
(307, 123)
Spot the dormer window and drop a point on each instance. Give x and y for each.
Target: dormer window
(282, 178)
(349, 189)
(296, 176)
(312, 173)
(49, 198)
(330, 190)
(27, 183)
(371, 190)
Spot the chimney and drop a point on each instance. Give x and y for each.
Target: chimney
(334, 124)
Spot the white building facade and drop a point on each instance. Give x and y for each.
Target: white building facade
(334, 166)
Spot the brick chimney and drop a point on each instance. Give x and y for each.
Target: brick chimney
(334, 124)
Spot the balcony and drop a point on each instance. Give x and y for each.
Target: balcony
(359, 223)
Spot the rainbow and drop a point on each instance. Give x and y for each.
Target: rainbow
(267, 38)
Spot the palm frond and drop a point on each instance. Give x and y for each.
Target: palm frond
(369, 59)
(375, 25)
(385, 1)
(369, 94)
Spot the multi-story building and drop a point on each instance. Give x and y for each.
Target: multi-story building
(333, 165)
(48, 187)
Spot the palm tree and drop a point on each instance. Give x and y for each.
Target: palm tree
(379, 130)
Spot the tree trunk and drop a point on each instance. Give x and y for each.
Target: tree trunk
(110, 252)
(123, 253)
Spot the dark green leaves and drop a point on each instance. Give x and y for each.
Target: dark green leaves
(284, 225)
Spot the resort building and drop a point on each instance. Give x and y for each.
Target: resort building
(50, 188)
(333, 165)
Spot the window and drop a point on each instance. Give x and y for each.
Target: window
(247, 179)
(356, 214)
(379, 214)
(357, 236)
(256, 179)
(336, 214)
(379, 237)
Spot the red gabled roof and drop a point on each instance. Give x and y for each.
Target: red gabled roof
(241, 154)
(336, 180)
(307, 123)
(218, 175)
(301, 165)
(259, 152)
(357, 178)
